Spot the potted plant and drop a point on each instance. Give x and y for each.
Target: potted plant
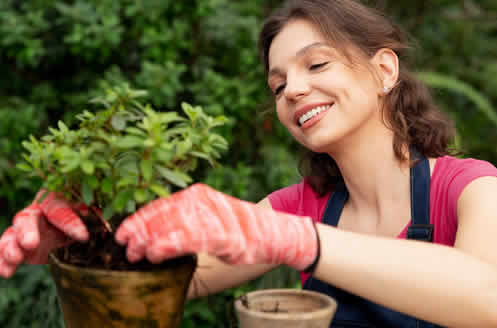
(285, 308)
(117, 159)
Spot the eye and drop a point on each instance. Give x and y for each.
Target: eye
(317, 66)
(279, 89)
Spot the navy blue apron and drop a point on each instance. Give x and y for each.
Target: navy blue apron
(354, 311)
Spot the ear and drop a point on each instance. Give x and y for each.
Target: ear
(386, 64)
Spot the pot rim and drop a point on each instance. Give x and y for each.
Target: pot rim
(53, 260)
(330, 305)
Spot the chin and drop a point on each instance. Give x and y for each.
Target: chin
(322, 143)
(321, 147)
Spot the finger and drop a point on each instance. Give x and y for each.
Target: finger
(6, 270)
(125, 231)
(159, 251)
(26, 227)
(81, 209)
(60, 214)
(11, 251)
(136, 250)
(133, 226)
(166, 248)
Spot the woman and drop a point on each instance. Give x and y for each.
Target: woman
(400, 233)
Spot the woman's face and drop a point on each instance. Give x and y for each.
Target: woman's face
(321, 99)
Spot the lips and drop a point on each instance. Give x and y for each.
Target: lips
(307, 108)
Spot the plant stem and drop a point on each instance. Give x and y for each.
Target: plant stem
(102, 220)
(95, 211)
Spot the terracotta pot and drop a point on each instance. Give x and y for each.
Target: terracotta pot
(289, 308)
(99, 298)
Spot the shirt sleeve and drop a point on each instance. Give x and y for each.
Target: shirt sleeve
(287, 199)
(462, 175)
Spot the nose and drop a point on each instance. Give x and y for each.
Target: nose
(296, 87)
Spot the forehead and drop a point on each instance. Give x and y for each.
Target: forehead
(295, 36)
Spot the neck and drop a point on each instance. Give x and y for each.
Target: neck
(378, 183)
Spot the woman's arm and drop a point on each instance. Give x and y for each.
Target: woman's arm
(213, 275)
(455, 287)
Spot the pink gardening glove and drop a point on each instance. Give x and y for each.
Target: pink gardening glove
(201, 219)
(37, 230)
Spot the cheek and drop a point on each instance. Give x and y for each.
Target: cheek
(286, 119)
(360, 93)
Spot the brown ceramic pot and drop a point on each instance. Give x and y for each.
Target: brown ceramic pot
(288, 308)
(123, 299)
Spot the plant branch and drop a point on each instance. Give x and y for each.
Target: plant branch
(94, 209)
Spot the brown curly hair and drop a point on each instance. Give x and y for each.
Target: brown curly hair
(409, 110)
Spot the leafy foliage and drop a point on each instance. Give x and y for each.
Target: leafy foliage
(124, 155)
(30, 300)
(479, 100)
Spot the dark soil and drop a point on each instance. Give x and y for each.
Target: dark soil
(102, 252)
(276, 309)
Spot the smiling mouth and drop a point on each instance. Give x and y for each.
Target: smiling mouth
(312, 113)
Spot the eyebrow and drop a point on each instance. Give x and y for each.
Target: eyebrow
(300, 53)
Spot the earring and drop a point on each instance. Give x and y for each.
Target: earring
(386, 90)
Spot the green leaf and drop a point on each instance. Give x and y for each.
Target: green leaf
(189, 111)
(88, 167)
(166, 118)
(70, 165)
(201, 155)
(131, 206)
(149, 143)
(441, 81)
(129, 142)
(62, 127)
(141, 195)
(107, 186)
(118, 122)
(136, 131)
(164, 155)
(102, 165)
(24, 167)
(147, 169)
(93, 182)
(177, 178)
(86, 193)
(127, 181)
(180, 130)
(218, 121)
(159, 190)
(108, 212)
(122, 199)
(183, 147)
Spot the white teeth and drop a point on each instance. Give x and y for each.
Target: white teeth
(312, 113)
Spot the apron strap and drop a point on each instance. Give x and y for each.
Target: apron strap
(335, 205)
(420, 228)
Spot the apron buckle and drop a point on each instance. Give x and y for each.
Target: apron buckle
(422, 232)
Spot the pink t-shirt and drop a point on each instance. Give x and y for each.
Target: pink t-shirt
(450, 176)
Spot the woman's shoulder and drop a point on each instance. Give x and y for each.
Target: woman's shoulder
(452, 174)
(450, 168)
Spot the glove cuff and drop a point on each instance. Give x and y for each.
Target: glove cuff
(310, 269)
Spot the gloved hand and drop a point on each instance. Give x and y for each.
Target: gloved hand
(37, 230)
(201, 219)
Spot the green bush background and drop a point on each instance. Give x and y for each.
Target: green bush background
(56, 55)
